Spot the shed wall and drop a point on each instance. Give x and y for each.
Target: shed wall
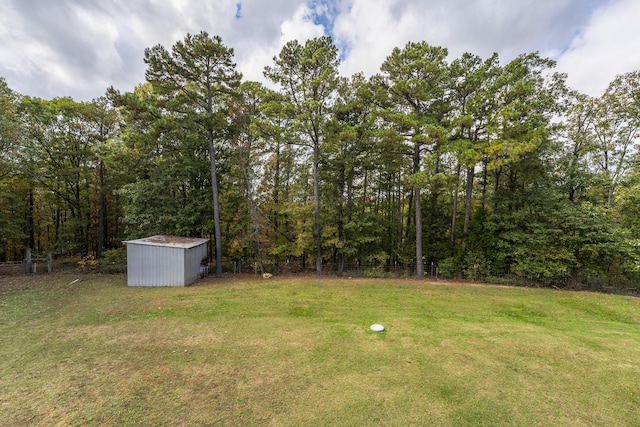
(192, 258)
(149, 265)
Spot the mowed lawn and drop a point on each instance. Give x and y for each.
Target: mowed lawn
(299, 352)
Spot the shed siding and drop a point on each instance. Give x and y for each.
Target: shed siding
(155, 266)
(164, 260)
(192, 259)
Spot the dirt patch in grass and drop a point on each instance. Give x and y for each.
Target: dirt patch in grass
(11, 283)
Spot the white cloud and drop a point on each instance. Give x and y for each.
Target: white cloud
(372, 28)
(369, 32)
(78, 48)
(607, 46)
(300, 26)
(253, 56)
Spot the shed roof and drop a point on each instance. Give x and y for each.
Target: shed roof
(169, 241)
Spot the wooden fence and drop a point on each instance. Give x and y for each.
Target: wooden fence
(29, 265)
(11, 268)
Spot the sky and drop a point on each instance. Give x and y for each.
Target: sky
(78, 48)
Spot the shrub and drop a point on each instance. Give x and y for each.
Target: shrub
(113, 261)
(448, 268)
(378, 272)
(88, 262)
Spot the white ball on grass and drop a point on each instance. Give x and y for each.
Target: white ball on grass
(376, 327)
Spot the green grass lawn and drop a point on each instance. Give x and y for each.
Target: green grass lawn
(298, 351)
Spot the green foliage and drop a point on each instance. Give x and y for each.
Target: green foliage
(113, 261)
(485, 168)
(195, 84)
(62, 162)
(177, 125)
(418, 179)
(308, 78)
(448, 268)
(12, 229)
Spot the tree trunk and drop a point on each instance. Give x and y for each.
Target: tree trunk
(399, 212)
(216, 205)
(410, 204)
(341, 220)
(101, 214)
(435, 192)
(468, 198)
(419, 263)
(276, 186)
(32, 239)
(316, 197)
(418, 213)
(454, 215)
(484, 184)
(256, 233)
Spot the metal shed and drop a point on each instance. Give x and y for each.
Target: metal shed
(164, 260)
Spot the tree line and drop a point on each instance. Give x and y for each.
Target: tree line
(469, 164)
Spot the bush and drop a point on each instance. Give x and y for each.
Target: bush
(88, 262)
(448, 268)
(113, 261)
(377, 272)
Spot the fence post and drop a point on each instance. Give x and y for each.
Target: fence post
(49, 262)
(27, 262)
